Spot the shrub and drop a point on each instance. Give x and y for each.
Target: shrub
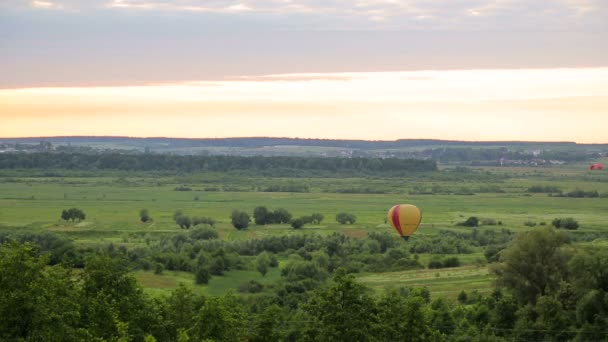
(297, 223)
(451, 262)
(144, 215)
(470, 222)
(530, 223)
(566, 223)
(488, 222)
(239, 219)
(204, 233)
(183, 188)
(433, 264)
(203, 220)
(346, 218)
(462, 297)
(202, 276)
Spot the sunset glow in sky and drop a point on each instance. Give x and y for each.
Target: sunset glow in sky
(309, 69)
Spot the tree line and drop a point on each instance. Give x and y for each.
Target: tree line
(158, 162)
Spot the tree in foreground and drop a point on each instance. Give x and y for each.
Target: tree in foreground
(343, 312)
(38, 302)
(534, 264)
(239, 219)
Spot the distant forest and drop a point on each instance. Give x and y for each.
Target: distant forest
(254, 142)
(158, 162)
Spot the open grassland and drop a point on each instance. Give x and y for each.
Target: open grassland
(112, 202)
(447, 282)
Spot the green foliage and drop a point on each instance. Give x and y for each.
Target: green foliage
(544, 189)
(144, 215)
(346, 218)
(534, 264)
(343, 312)
(220, 319)
(566, 223)
(263, 216)
(204, 233)
(470, 222)
(73, 214)
(239, 219)
(38, 302)
(297, 223)
(198, 220)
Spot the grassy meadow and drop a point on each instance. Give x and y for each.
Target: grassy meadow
(31, 201)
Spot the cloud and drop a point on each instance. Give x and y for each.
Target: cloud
(377, 14)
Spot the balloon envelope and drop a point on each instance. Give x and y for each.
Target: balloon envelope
(404, 218)
(596, 166)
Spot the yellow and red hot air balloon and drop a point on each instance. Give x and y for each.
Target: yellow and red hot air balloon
(405, 218)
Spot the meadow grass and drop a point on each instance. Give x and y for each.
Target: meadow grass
(112, 202)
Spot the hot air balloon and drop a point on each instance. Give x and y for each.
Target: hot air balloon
(405, 218)
(596, 166)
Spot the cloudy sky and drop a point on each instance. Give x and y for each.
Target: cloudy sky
(367, 69)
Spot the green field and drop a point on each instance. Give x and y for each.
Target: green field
(30, 202)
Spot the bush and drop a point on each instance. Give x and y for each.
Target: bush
(470, 222)
(183, 188)
(435, 264)
(462, 297)
(239, 219)
(202, 276)
(530, 223)
(346, 218)
(566, 223)
(447, 262)
(297, 223)
(488, 222)
(204, 233)
(183, 222)
(581, 194)
(144, 215)
(451, 262)
(203, 220)
(317, 218)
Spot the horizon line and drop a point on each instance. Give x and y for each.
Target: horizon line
(297, 138)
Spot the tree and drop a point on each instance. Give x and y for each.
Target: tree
(184, 222)
(262, 263)
(317, 218)
(343, 312)
(202, 276)
(534, 264)
(346, 218)
(281, 216)
(73, 214)
(144, 215)
(260, 215)
(239, 219)
(65, 215)
(38, 302)
(297, 223)
(220, 319)
(111, 298)
(566, 223)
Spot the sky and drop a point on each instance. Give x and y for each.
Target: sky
(532, 70)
